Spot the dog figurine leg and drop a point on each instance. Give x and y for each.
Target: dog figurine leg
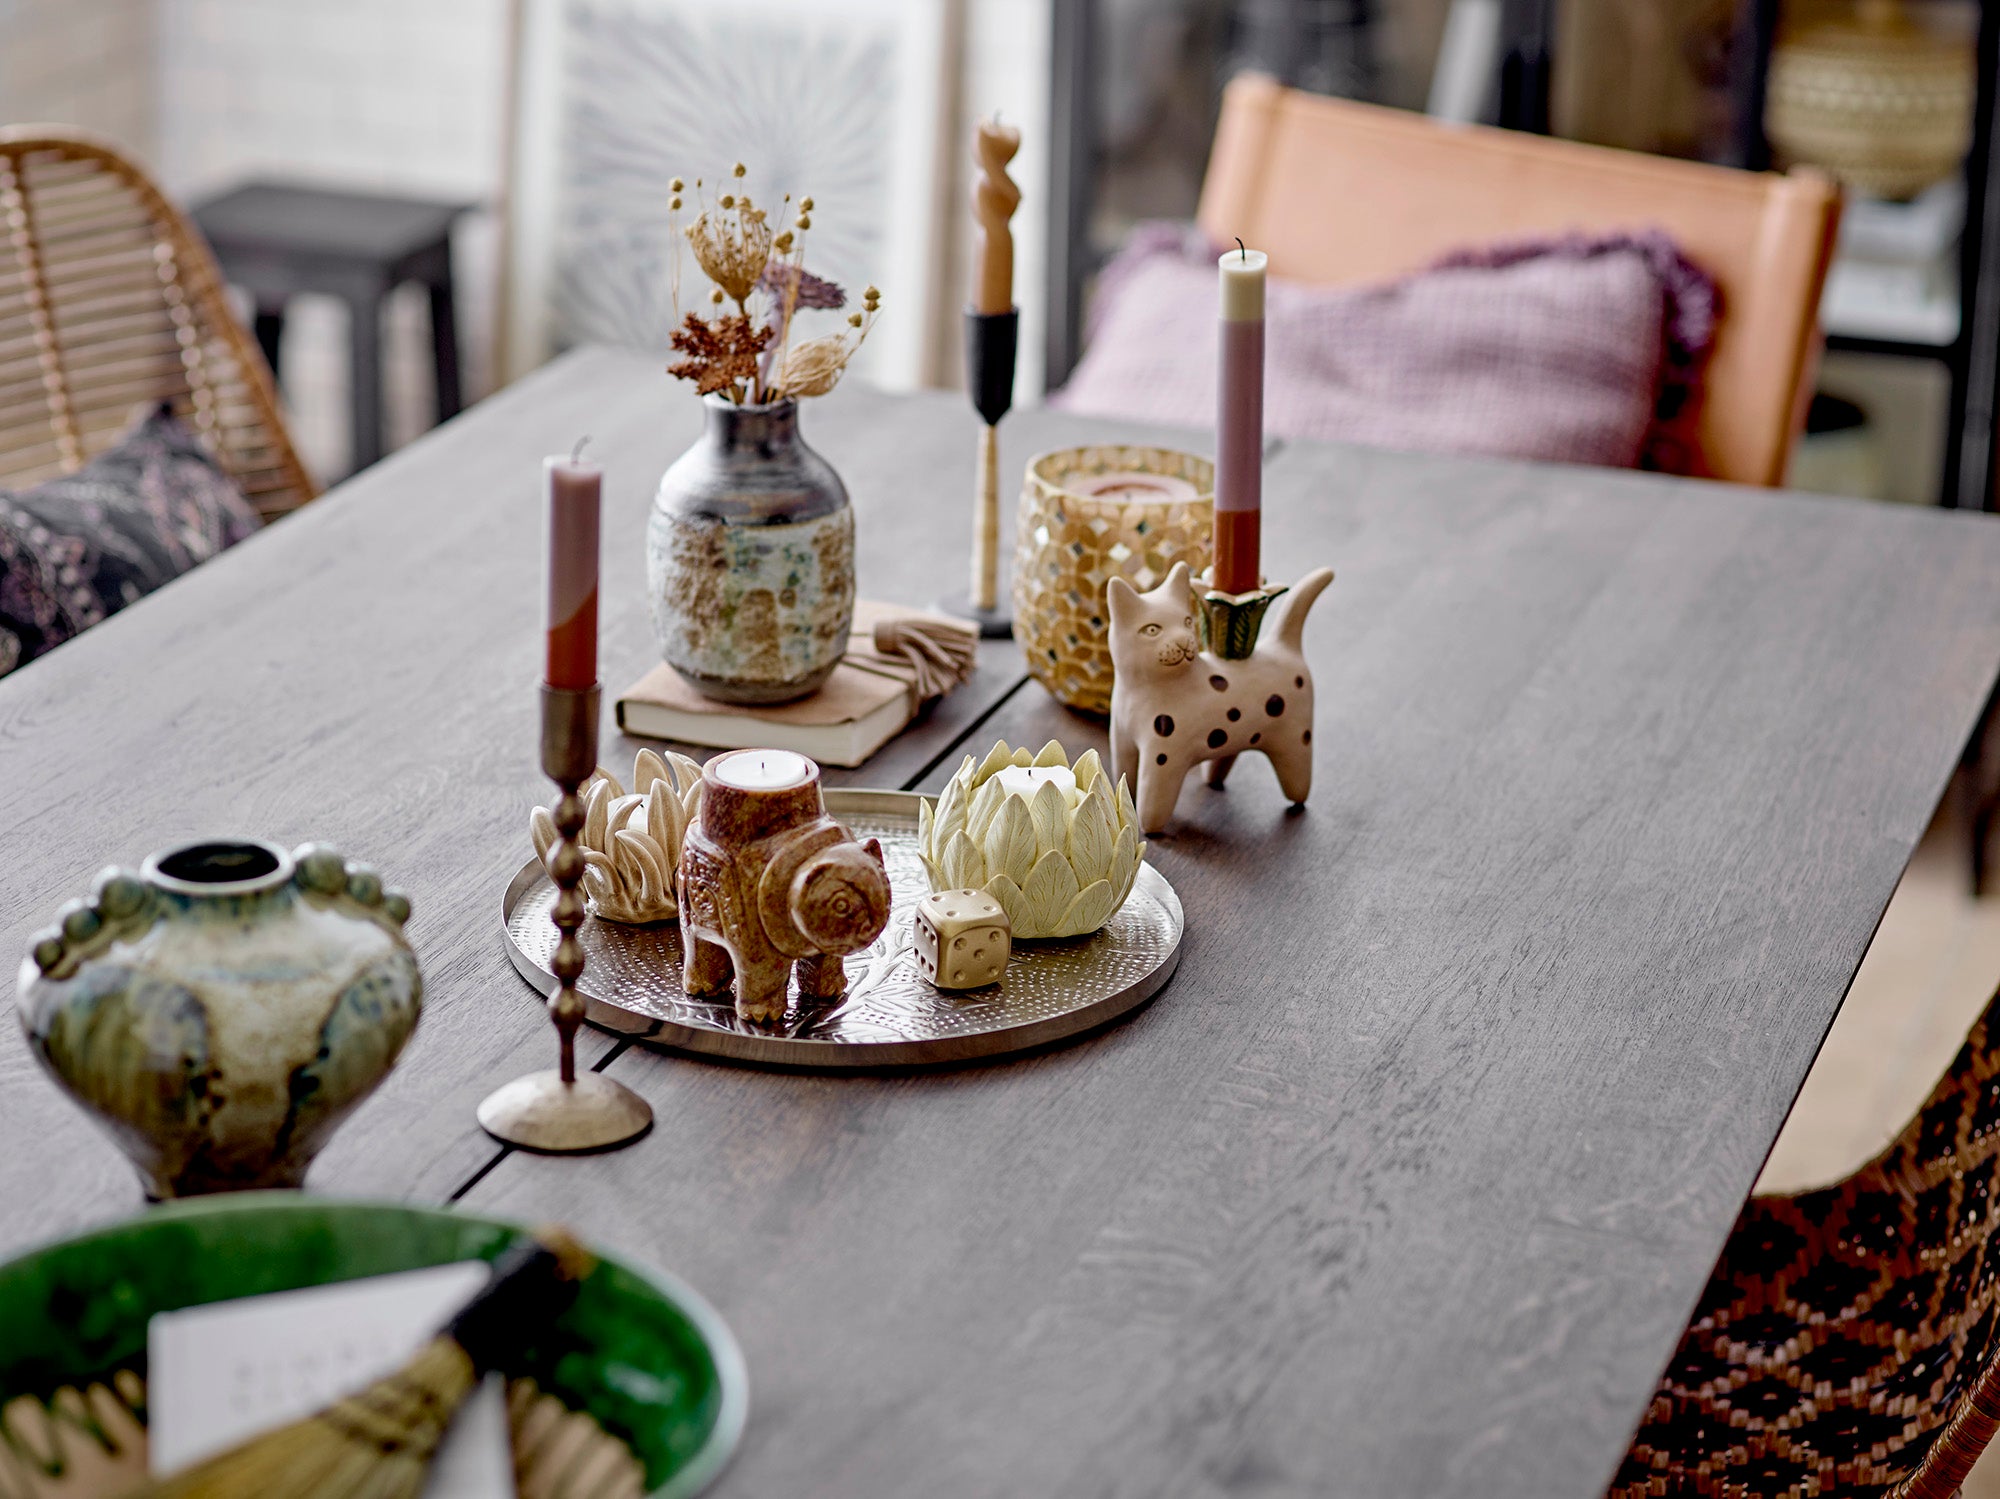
(1294, 764)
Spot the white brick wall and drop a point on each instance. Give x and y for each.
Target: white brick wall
(87, 63)
(396, 96)
(380, 95)
(396, 93)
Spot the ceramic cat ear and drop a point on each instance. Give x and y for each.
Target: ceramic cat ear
(1177, 584)
(1121, 596)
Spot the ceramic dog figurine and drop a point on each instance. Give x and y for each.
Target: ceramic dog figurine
(767, 879)
(1173, 706)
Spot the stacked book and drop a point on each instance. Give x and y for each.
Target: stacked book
(897, 659)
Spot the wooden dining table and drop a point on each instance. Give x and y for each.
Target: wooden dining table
(1408, 1181)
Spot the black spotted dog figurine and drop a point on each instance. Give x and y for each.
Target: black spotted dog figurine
(1173, 706)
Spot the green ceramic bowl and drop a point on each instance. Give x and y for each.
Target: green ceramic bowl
(640, 1352)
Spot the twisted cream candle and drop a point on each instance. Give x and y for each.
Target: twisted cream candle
(994, 199)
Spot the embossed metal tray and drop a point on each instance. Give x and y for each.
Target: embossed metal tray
(891, 1016)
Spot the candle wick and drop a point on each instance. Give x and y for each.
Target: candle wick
(576, 453)
(1239, 247)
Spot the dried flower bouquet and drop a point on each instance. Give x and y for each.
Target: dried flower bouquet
(746, 354)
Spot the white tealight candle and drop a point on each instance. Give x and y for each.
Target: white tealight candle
(763, 770)
(1026, 780)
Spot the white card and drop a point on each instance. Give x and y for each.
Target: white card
(220, 1374)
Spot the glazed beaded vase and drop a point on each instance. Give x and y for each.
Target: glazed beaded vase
(221, 1010)
(1071, 545)
(750, 558)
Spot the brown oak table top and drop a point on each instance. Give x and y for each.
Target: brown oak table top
(1408, 1181)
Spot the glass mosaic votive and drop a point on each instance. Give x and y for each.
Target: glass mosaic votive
(1089, 515)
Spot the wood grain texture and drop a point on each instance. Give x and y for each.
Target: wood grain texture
(1405, 1185)
(364, 673)
(1409, 1180)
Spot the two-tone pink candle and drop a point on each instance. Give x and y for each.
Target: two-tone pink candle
(575, 489)
(1239, 423)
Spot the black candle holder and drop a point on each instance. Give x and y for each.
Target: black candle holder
(992, 341)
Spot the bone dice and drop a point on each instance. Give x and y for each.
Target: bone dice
(963, 938)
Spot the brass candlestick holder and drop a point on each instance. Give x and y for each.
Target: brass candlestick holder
(561, 1112)
(1231, 622)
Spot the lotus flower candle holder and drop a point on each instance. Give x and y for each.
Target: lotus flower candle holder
(631, 841)
(1056, 844)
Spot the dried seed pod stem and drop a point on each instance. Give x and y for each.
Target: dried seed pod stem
(731, 353)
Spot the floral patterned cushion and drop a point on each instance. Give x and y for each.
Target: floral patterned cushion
(84, 545)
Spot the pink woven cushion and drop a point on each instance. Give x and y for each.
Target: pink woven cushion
(1580, 350)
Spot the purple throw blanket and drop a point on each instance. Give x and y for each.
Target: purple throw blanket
(1583, 349)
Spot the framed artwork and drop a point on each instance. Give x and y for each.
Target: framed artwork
(613, 99)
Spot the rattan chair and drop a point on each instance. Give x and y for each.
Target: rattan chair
(109, 302)
(1846, 1343)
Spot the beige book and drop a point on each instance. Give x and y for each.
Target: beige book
(870, 698)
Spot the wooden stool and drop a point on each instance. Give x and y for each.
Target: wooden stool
(276, 240)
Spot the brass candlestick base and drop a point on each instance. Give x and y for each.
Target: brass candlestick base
(542, 1112)
(1231, 622)
(559, 1112)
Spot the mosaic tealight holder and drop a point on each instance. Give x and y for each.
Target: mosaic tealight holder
(1089, 515)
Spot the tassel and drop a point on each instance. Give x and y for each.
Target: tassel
(940, 652)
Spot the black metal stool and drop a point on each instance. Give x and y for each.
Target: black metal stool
(276, 240)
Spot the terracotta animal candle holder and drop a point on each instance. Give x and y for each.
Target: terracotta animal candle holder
(767, 880)
(1175, 706)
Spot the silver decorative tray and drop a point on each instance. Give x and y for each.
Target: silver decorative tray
(890, 1016)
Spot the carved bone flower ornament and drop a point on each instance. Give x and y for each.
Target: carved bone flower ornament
(632, 841)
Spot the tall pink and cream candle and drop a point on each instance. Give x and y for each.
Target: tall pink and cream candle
(574, 488)
(1239, 422)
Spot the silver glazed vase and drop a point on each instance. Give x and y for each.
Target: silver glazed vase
(221, 1010)
(750, 558)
